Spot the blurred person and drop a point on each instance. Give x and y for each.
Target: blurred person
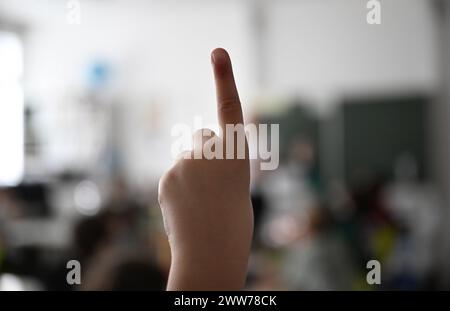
(368, 229)
(113, 269)
(415, 206)
(265, 270)
(319, 260)
(290, 192)
(137, 274)
(113, 254)
(10, 207)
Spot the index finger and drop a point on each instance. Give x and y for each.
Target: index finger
(228, 103)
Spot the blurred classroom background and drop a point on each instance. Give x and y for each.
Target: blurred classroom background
(89, 92)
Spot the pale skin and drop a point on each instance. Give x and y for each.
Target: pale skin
(206, 204)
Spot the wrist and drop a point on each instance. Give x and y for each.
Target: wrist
(206, 272)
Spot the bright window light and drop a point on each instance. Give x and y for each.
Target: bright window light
(11, 110)
(10, 282)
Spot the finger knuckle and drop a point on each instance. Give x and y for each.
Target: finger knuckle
(166, 182)
(229, 105)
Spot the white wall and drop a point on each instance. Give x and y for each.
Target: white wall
(160, 50)
(325, 49)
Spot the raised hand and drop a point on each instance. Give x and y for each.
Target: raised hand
(206, 204)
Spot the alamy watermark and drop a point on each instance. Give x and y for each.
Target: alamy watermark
(73, 15)
(73, 277)
(373, 16)
(260, 145)
(373, 277)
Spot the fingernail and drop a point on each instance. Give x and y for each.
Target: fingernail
(219, 56)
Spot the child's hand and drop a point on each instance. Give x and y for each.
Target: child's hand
(206, 205)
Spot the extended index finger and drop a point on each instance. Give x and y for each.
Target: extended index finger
(228, 103)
